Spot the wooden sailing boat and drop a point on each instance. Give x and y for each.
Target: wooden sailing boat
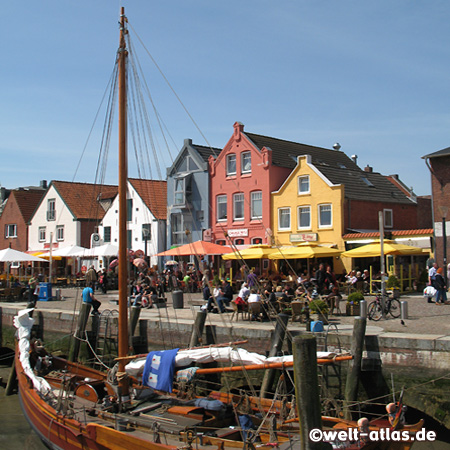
(72, 406)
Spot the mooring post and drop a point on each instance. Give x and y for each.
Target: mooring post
(276, 346)
(197, 332)
(307, 390)
(354, 369)
(134, 317)
(79, 332)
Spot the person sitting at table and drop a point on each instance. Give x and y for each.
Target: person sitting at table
(333, 299)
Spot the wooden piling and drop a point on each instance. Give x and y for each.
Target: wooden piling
(79, 332)
(276, 346)
(134, 317)
(197, 331)
(307, 390)
(354, 370)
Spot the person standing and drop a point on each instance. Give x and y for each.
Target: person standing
(441, 288)
(32, 284)
(91, 278)
(88, 297)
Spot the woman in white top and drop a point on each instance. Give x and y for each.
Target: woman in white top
(254, 297)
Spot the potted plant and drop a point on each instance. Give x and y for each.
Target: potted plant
(320, 308)
(394, 284)
(353, 307)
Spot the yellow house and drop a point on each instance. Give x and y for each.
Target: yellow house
(309, 207)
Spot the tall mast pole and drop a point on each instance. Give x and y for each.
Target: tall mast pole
(123, 256)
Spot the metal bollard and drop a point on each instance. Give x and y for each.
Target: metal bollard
(404, 309)
(363, 309)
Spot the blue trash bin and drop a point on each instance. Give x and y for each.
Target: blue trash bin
(45, 292)
(317, 326)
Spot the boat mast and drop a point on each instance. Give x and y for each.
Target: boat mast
(123, 253)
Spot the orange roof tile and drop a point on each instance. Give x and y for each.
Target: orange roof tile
(153, 194)
(82, 198)
(376, 234)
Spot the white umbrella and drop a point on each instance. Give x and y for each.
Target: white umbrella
(10, 255)
(101, 250)
(68, 252)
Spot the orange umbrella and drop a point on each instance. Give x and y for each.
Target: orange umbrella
(197, 248)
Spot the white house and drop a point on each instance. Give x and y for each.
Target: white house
(147, 213)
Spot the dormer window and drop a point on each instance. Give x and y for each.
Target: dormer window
(246, 162)
(231, 164)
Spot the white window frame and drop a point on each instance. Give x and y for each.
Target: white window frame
(220, 201)
(230, 158)
(386, 214)
(299, 208)
(320, 208)
(253, 200)
(238, 197)
(8, 232)
(42, 234)
(243, 157)
(299, 184)
(179, 191)
(51, 209)
(280, 213)
(60, 233)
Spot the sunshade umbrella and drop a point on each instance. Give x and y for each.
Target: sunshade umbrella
(101, 250)
(140, 263)
(254, 252)
(113, 263)
(68, 252)
(11, 255)
(305, 251)
(197, 248)
(389, 248)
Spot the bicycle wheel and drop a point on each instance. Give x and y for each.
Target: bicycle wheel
(395, 308)
(374, 311)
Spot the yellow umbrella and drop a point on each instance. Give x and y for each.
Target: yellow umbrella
(389, 248)
(307, 250)
(254, 252)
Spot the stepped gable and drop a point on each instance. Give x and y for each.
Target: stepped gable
(82, 199)
(27, 200)
(336, 166)
(153, 194)
(205, 152)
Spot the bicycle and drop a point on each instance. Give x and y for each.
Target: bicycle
(392, 306)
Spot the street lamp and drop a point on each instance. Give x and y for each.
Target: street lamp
(443, 210)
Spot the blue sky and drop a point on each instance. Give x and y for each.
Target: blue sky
(372, 76)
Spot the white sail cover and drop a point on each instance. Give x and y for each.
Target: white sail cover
(23, 322)
(230, 355)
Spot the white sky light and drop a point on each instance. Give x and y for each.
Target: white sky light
(372, 76)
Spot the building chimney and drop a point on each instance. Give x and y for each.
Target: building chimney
(368, 169)
(43, 184)
(355, 158)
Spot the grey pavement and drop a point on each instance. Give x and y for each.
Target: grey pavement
(424, 318)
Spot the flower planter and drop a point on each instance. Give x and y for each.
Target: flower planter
(352, 310)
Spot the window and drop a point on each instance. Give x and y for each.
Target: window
(41, 234)
(129, 210)
(304, 217)
(221, 242)
(129, 238)
(388, 218)
(325, 219)
(256, 205)
(238, 206)
(221, 207)
(147, 231)
(303, 184)
(246, 162)
(51, 209)
(239, 242)
(284, 218)
(231, 164)
(179, 224)
(106, 234)
(11, 231)
(60, 233)
(257, 241)
(179, 191)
